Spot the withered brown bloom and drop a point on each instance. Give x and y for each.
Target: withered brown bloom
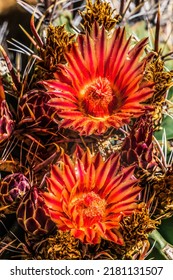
(58, 42)
(155, 71)
(100, 11)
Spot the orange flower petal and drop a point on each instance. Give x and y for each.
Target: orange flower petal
(93, 198)
(52, 201)
(101, 84)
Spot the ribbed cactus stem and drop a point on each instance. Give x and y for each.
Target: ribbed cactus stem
(162, 245)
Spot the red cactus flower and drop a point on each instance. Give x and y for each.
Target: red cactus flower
(89, 197)
(101, 85)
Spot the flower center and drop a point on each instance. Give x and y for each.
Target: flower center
(90, 205)
(98, 99)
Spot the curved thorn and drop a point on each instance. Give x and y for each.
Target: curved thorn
(35, 33)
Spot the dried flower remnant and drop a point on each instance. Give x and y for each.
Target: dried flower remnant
(163, 188)
(89, 197)
(107, 146)
(100, 11)
(58, 42)
(101, 85)
(60, 246)
(155, 71)
(135, 230)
